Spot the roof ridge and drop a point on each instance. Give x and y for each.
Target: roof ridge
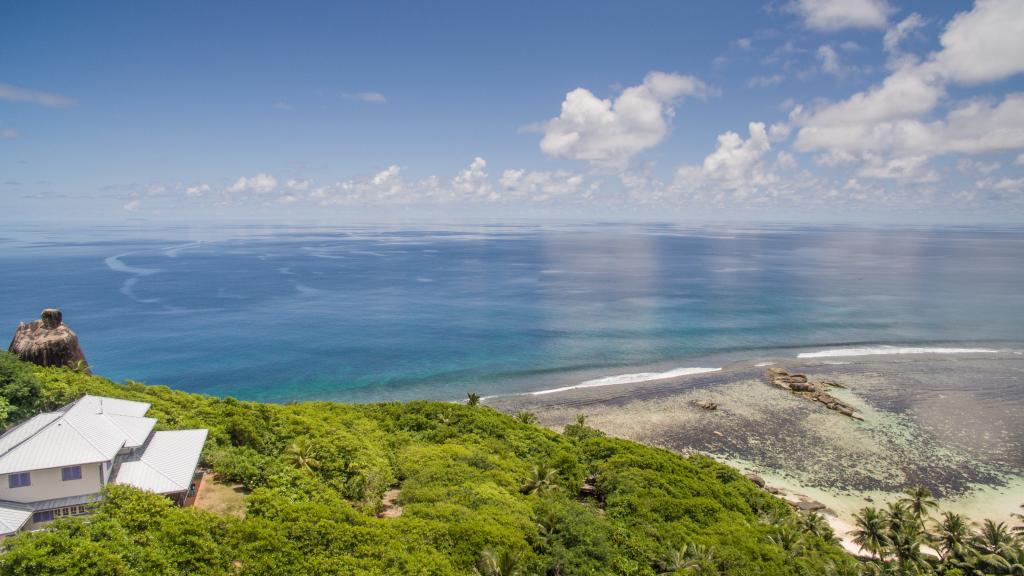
(86, 438)
(32, 435)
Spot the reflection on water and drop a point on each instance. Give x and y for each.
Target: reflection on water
(365, 313)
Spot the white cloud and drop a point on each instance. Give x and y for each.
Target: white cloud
(48, 99)
(735, 166)
(297, 184)
(967, 165)
(371, 97)
(9, 134)
(609, 132)
(984, 44)
(976, 127)
(539, 186)
(785, 161)
(829, 60)
(473, 181)
(1020, 160)
(282, 105)
(887, 126)
(907, 92)
(197, 190)
(896, 34)
(907, 168)
(260, 184)
(133, 205)
(832, 15)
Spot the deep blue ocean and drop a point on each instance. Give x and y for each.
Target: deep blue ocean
(367, 313)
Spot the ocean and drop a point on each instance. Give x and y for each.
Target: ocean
(373, 313)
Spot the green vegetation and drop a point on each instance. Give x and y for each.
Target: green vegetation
(896, 535)
(481, 493)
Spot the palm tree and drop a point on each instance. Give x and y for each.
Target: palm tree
(952, 535)
(302, 455)
(1019, 529)
(870, 533)
(540, 480)
(787, 537)
(919, 501)
(816, 525)
(492, 563)
(472, 399)
(688, 558)
(993, 538)
(526, 417)
(898, 517)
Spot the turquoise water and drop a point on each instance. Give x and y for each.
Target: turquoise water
(379, 313)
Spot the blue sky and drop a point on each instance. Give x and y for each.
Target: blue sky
(795, 109)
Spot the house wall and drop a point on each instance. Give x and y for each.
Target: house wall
(47, 484)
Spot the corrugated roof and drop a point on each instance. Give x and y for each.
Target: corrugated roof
(91, 429)
(13, 516)
(167, 463)
(62, 502)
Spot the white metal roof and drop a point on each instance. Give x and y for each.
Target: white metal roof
(167, 463)
(13, 516)
(91, 429)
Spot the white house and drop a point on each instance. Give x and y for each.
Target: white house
(56, 463)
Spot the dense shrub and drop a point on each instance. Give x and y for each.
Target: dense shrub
(317, 472)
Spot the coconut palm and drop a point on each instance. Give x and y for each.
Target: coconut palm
(1019, 529)
(302, 455)
(492, 563)
(993, 538)
(688, 558)
(898, 517)
(540, 480)
(789, 538)
(919, 501)
(952, 534)
(816, 525)
(870, 533)
(526, 417)
(472, 399)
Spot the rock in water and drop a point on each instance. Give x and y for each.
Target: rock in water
(48, 342)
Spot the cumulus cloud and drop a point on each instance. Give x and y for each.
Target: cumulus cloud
(197, 190)
(17, 94)
(539, 186)
(473, 181)
(832, 15)
(735, 164)
(891, 128)
(133, 205)
(371, 97)
(983, 44)
(297, 184)
(260, 184)
(610, 132)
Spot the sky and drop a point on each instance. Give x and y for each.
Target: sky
(786, 110)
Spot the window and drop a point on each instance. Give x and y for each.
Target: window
(44, 516)
(19, 479)
(71, 473)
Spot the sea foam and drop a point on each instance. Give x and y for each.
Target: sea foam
(843, 352)
(629, 379)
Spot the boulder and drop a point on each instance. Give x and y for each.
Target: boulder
(808, 505)
(757, 480)
(48, 342)
(705, 404)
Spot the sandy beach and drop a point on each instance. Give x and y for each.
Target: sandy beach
(946, 418)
